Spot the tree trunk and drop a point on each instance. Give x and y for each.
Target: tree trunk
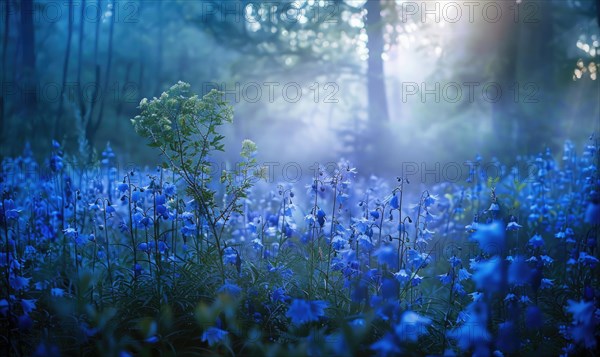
(88, 117)
(501, 91)
(376, 93)
(123, 96)
(65, 70)
(27, 73)
(4, 71)
(159, 49)
(79, 60)
(537, 85)
(91, 134)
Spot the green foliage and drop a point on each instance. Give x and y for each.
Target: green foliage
(185, 129)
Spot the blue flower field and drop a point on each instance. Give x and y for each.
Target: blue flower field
(182, 259)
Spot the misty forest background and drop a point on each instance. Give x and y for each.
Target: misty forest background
(75, 71)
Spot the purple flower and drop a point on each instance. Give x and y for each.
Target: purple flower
(487, 274)
(411, 326)
(303, 311)
(536, 241)
(213, 335)
(321, 217)
(394, 203)
(136, 196)
(137, 269)
(389, 288)
(445, 278)
(463, 274)
(472, 332)
(533, 317)
(230, 256)
(144, 247)
(387, 346)
(170, 190)
(402, 276)
(584, 325)
(58, 292)
(513, 226)
(454, 261)
(582, 311)
(28, 305)
(388, 255)
(24, 322)
(494, 207)
(278, 295)
(374, 214)
(3, 306)
(71, 233)
(490, 237)
(19, 282)
(230, 289)
(508, 339)
(592, 213)
(519, 272)
(10, 210)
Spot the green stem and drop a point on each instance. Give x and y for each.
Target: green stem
(331, 237)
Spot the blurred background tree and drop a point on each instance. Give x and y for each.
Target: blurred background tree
(76, 71)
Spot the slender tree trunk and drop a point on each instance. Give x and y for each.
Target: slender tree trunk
(140, 85)
(537, 85)
(96, 125)
(65, 71)
(89, 123)
(183, 64)
(376, 92)
(123, 94)
(79, 60)
(501, 91)
(4, 71)
(140, 82)
(159, 49)
(27, 73)
(89, 115)
(97, 36)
